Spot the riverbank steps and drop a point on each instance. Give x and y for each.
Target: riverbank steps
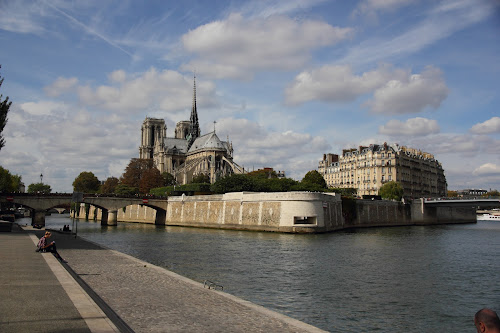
(149, 298)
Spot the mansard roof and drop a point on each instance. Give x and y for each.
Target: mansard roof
(208, 141)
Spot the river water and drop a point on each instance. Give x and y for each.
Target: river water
(397, 279)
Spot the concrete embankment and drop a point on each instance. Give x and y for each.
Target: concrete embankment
(152, 299)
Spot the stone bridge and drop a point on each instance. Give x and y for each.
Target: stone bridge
(40, 204)
(110, 206)
(444, 210)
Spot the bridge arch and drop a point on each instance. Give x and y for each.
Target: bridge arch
(111, 205)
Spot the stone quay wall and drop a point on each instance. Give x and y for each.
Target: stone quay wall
(291, 212)
(377, 213)
(296, 212)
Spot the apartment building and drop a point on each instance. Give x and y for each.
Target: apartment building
(367, 168)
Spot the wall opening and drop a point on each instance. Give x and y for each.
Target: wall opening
(304, 220)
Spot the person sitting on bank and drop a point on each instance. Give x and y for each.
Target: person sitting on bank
(45, 246)
(487, 321)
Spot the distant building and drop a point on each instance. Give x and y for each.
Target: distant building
(471, 193)
(368, 168)
(188, 153)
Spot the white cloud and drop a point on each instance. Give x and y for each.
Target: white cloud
(337, 83)
(395, 91)
(266, 8)
(489, 126)
(488, 169)
(117, 76)
(43, 108)
(61, 140)
(60, 86)
(411, 95)
(237, 46)
(371, 7)
(445, 19)
(255, 146)
(412, 127)
(22, 16)
(155, 91)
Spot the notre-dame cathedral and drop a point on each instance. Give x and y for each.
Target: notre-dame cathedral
(188, 154)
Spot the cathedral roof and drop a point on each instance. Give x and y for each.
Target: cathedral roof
(174, 145)
(208, 141)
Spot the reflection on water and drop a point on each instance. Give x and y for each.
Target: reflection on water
(401, 279)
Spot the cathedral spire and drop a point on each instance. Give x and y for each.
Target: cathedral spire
(194, 125)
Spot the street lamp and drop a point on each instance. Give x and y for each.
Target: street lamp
(41, 178)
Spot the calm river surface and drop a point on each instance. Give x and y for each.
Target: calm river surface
(399, 279)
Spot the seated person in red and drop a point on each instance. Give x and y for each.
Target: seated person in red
(45, 246)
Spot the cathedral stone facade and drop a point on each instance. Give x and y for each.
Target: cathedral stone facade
(188, 153)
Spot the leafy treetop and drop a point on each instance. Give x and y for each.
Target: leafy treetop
(109, 185)
(391, 191)
(314, 177)
(4, 110)
(86, 182)
(134, 171)
(39, 188)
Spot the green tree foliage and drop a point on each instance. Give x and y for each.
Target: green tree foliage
(347, 192)
(150, 178)
(39, 188)
(123, 189)
(134, 171)
(274, 184)
(109, 185)
(9, 182)
(256, 183)
(168, 179)
(234, 183)
(86, 182)
(201, 178)
(314, 177)
(452, 194)
(4, 110)
(391, 191)
(263, 174)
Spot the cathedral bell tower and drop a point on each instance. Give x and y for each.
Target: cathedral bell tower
(153, 132)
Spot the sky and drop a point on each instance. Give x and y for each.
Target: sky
(284, 81)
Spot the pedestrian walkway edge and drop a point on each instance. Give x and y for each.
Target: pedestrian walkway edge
(96, 320)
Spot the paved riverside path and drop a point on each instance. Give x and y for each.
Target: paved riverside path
(152, 299)
(38, 295)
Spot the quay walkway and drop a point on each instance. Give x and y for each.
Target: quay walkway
(39, 295)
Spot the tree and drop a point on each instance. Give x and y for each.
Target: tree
(452, 194)
(201, 178)
(134, 171)
(314, 177)
(86, 182)
(7, 181)
(109, 185)
(168, 179)
(233, 183)
(123, 189)
(151, 178)
(391, 191)
(4, 110)
(265, 173)
(39, 188)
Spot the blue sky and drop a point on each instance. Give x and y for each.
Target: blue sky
(286, 81)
